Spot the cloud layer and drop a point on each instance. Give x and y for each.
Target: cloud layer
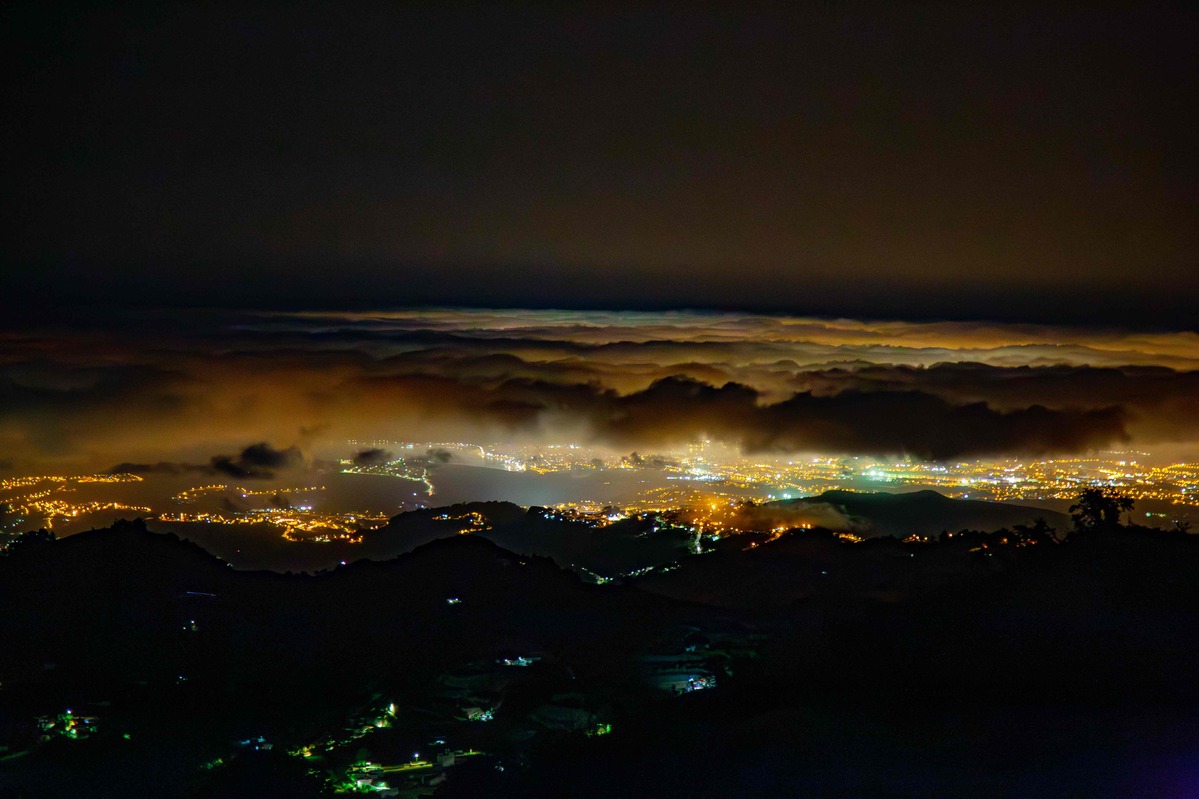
(177, 388)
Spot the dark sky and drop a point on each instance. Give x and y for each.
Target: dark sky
(857, 160)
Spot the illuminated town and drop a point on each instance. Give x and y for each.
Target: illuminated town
(700, 482)
(705, 471)
(53, 500)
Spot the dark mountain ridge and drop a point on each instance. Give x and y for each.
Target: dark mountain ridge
(924, 512)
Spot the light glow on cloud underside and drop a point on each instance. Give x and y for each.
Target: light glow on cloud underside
(156, 385)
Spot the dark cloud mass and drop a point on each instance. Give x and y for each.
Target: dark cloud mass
(439, 456)
(674, 411)
(263, 455)
(209, 383)
(372, 457)
(924, 426)
(257, 461)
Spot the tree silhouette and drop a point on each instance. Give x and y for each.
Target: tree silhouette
(1039, 532)
(1099, 509)
(1042, 530)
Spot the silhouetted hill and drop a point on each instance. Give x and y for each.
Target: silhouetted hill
(609, 550)
(804, 564)
(407, 531)
(177, 637)
(118, 590)
(919, 513)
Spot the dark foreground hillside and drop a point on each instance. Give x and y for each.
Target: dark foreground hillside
(135, 664)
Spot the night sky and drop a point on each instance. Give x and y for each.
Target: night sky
(871, 161)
